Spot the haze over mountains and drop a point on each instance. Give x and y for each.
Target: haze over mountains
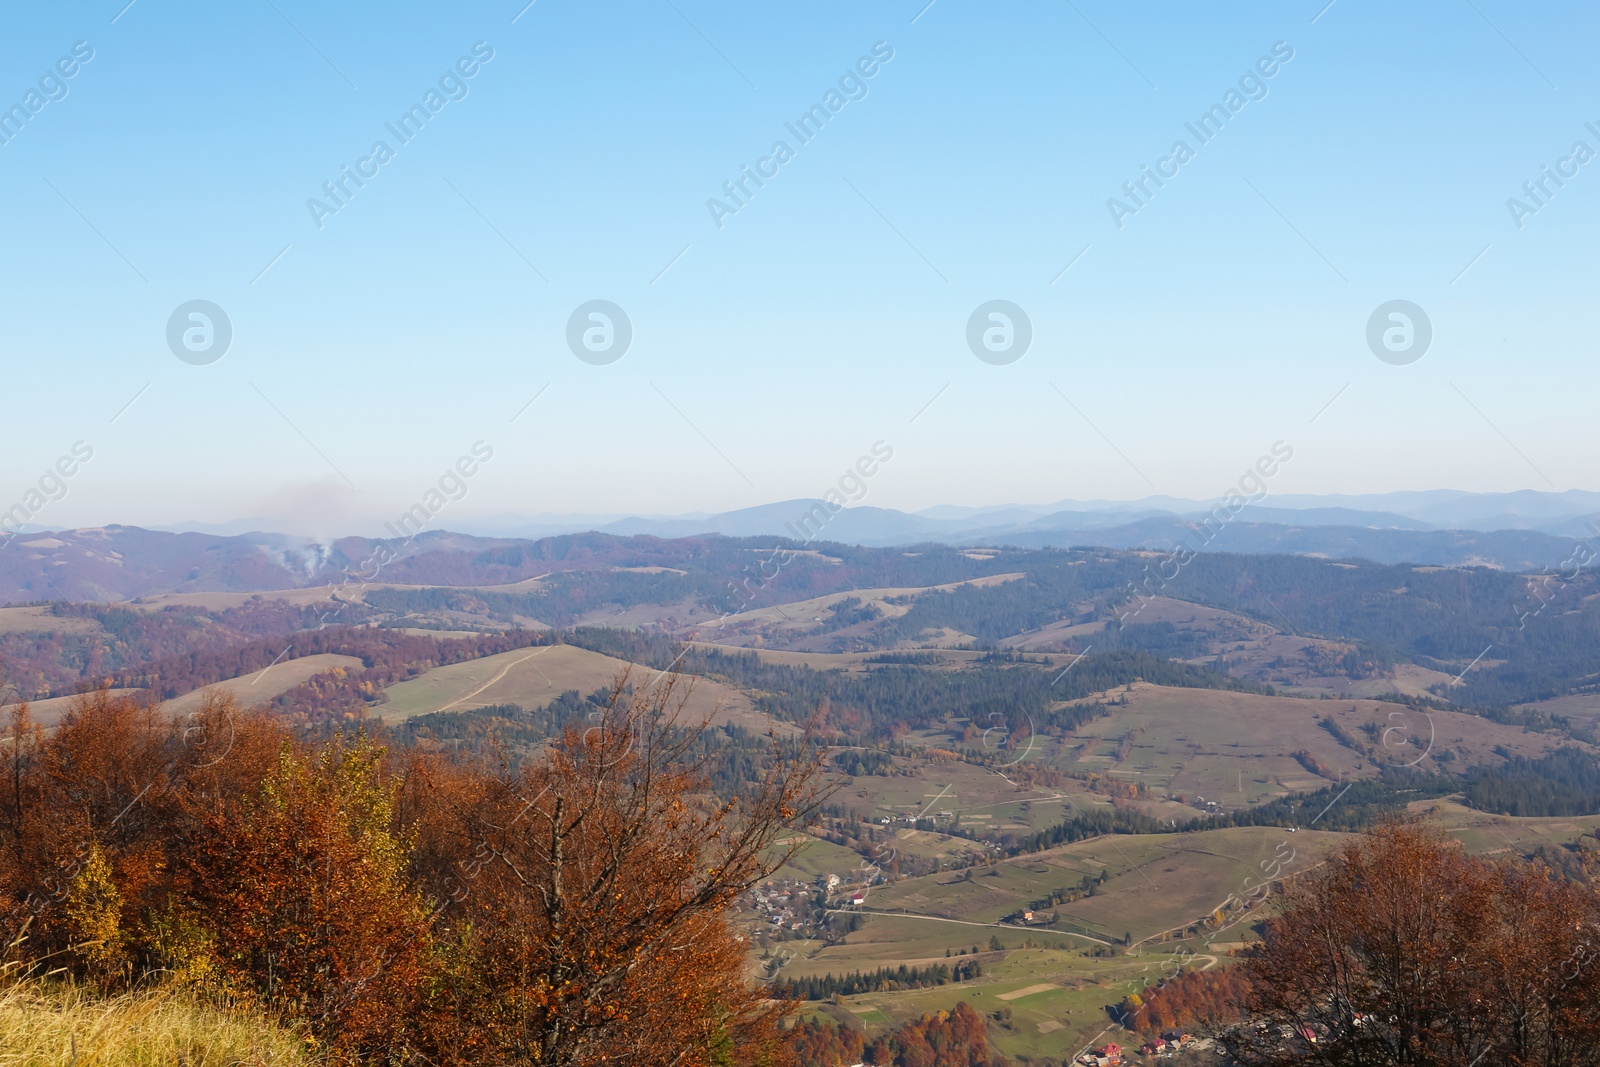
(1128, 522)
(1521, 531)
(1565, 514)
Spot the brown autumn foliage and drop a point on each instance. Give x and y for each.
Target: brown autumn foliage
(402, 907)
(824, 1044)
(594, 884)
(1407, 951)
(955, 1038)
(1186, 1000)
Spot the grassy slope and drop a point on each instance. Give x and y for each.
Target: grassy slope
(1489, 834)
(1210, 742)
(42, 1025)
(536, 676)
(258, 687)
(1188, 873)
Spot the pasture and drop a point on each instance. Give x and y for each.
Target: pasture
(1238, 748)
(259, 687)
(39, 619)
(531, 677)
(1153, 882)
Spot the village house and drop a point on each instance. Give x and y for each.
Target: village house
(1109, 1056)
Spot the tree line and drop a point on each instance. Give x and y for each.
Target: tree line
(883, 980)
(122, 642)
(1565, 782)
(955, 1038)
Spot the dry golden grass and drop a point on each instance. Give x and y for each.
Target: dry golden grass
(258, 687)
(44, 1025)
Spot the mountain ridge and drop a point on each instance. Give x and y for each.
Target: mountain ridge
(116, 563)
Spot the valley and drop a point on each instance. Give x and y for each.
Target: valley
(1022, 785)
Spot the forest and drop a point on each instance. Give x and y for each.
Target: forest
(1543, 630)
(885, 979)
(955, 1038)
(869, 705)
(1566, 782)
(394, 905)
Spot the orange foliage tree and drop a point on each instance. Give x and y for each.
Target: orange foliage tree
(821, 1044)
(589, 891)
(1405, 950)
(405, 907)
(1187, 999)
(955, 1038)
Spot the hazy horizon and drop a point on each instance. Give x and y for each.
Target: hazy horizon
(1570, 514)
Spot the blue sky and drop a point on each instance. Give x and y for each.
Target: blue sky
(371, 352)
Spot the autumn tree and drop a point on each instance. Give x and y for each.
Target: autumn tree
(571, 906)
(955, 1038)
(1187, 999)
(822, 1044)
(208, 847)
(1407, 951)
(84, 851)
(321, 923)
(585, 895)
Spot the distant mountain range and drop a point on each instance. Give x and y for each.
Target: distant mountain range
(1562, 515)
(1522, 531)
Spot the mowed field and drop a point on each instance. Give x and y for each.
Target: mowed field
(223, 601)
(531, 677)
(1057, 998)
(258, 687)
(948, 658)
(962, 794)
(802, 612)
(1180, 613)
(40, 620)
(814, 856)
(1488, 834)
(793, 623)
(1057, 981)
(817, 661)
(328, 594)
(1154, 882)
(1582, 708)
(1238, 748)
